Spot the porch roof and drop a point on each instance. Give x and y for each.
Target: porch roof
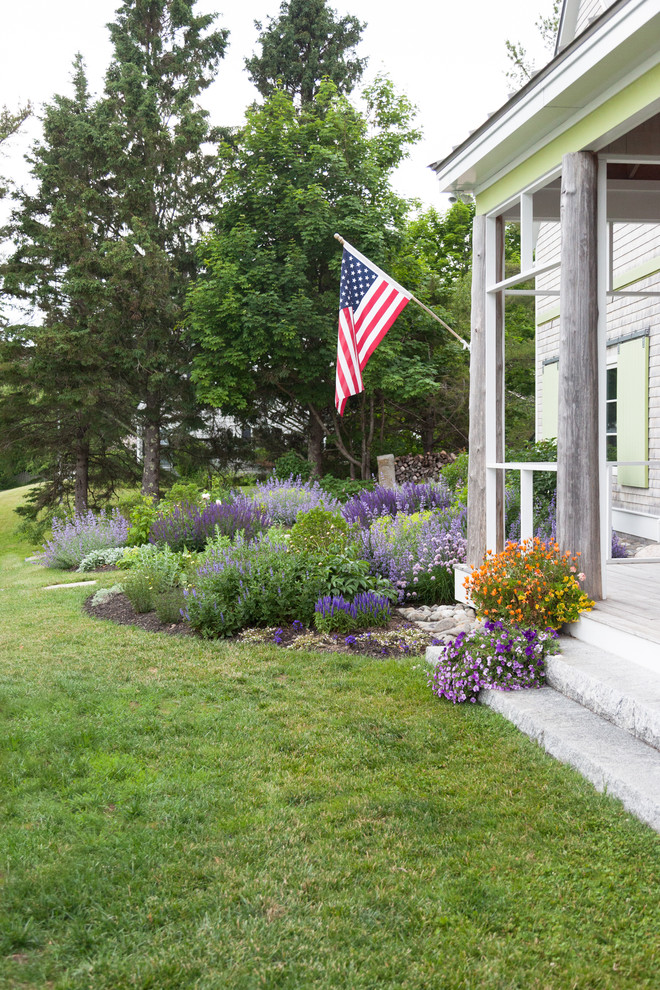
(595, 89)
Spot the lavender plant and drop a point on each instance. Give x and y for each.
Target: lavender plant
(333, 613)
(417, 553)
(283, 501)
(74, 539)
(407, 499)
(189, 525)
(494, 658)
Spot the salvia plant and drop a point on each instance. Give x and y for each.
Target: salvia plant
(496, 657)
(333, 613)
(408, 498)
(74, 539)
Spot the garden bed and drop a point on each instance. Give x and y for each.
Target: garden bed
(400, 637)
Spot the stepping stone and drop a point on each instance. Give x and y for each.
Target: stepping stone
(69, 584)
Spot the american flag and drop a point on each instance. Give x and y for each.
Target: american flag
(369, 303)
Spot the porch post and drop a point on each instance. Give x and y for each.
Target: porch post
(476, 526)
(578, 469)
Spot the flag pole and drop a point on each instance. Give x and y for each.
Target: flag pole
(435, 316)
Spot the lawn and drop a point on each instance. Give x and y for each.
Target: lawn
(179, 813)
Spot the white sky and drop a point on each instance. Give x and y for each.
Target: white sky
(448, 57)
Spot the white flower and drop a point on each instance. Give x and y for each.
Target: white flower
(205, 495)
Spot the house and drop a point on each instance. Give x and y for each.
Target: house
(573, 159)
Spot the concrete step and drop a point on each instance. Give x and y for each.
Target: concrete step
(614, 761)
(626, 694)
(600, 713)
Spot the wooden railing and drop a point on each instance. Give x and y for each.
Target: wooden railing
(527, 470)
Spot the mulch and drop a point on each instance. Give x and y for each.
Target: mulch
(119, 609)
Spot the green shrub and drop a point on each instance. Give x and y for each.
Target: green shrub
(102, 558)
(349, 575)
(344, 488)
(255, 584)
(292, 465)
(141, 518)
(455, 476)
(319, 531)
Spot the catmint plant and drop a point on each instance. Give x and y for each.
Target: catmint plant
(74, 539)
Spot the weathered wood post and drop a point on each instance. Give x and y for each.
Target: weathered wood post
(578, 494)
(476, 530)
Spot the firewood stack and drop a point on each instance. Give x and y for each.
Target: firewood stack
(421, 467)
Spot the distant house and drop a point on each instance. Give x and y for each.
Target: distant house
(573, 159)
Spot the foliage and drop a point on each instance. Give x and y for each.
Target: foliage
(292, 465)
(101, 558)
(283, 501)
(188, 526)
(142, 517)
(305, 44)
(529, 584)
(139, 591)
(62, 400)
(154, 579)
(342, 489)
(104, 240)
(334, 613)
(348, 574)
(496, 658)
(257, 584)
(73, 539)
(407, 499)
(263, 313)
(319, 531)
(417, 553)
(522, 67)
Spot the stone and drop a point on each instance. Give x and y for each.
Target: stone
(386, 473)
(652, 550)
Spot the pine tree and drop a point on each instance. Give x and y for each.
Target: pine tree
(306, 43)
(162, 182)
(61, 400)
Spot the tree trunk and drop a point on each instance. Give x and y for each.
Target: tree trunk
(82, 473)
(578, 474)
(151, 465)
(315, 445)
(428, 431)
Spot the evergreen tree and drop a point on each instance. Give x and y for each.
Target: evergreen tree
(305, 44)
(163, 187)
(60, 400)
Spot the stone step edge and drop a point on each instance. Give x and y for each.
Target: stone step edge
(610, 758)
(604, 699)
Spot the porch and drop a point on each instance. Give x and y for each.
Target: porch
(627, 622)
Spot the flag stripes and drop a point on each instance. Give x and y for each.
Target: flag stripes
(369, 303)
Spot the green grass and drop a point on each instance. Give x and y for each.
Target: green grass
(183, 814)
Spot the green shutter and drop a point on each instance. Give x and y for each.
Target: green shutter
(632, 414)
(550, 398)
